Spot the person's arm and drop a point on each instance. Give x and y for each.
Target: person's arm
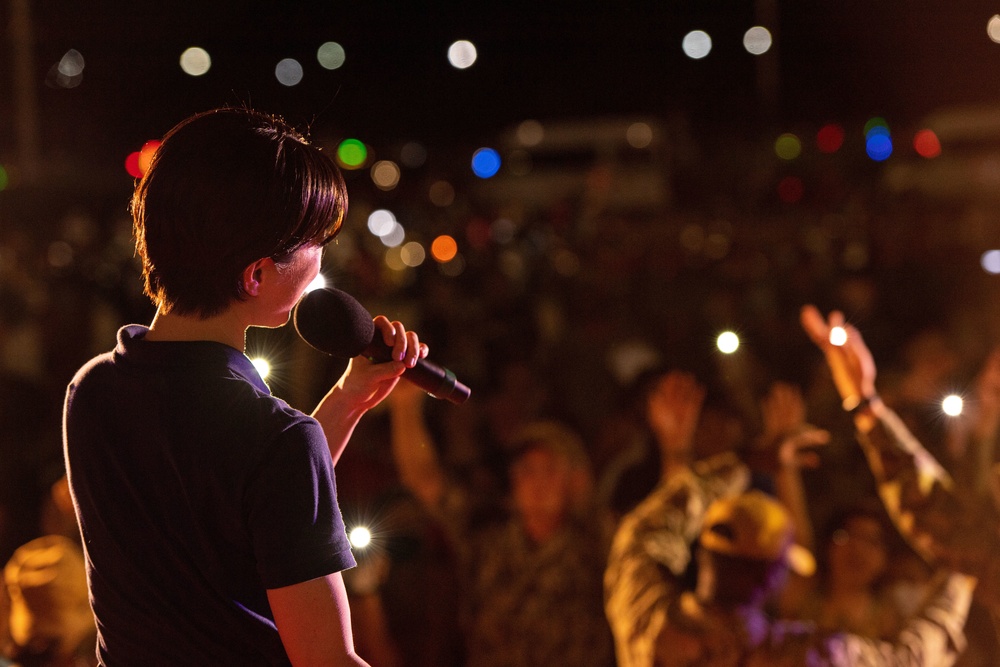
(314, 621)
(413, 448)
(672, 411)
(365, 384)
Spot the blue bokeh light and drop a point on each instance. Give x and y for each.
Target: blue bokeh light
(878, 146)
(485, 162)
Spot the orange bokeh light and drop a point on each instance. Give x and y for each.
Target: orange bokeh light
(444, 248)
(926, 143)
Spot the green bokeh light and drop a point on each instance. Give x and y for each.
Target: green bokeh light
(351, 153)
(788, 147)
(4, 179)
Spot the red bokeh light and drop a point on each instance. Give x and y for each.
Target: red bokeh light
(132, 165)
(926, 143)
(791, 189)
(830, 138)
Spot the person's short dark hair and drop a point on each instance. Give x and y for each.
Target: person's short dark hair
(226, 188)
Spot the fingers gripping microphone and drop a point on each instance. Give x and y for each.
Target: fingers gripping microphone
(333, 322)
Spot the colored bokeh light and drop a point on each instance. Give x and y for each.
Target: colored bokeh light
(697, 44)
(132, 165)
(926, 144)
(351, 154)
(530, 133)
(791, 189)
(830, 138)
(993, 28)
(639, 135)
(195, 61)
(444, 248)
(787, 146)
(385, 174)
(878, 146)
(146, 155)
(485, 162)
(441, 193)
(4, 178)
(876, 125)
(462, 54)
(381, 221)
(412, 254)
(331, 55)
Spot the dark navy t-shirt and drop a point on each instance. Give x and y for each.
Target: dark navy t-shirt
(196, 492)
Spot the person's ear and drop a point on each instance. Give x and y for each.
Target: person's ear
(253, 276)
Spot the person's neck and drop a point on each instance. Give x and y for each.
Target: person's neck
(224, 328)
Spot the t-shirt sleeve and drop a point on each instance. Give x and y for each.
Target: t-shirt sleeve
(296, 528)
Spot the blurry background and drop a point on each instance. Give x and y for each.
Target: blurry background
(557, 196)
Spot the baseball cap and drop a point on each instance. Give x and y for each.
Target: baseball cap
(756, 526)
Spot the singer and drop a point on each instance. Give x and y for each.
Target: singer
(208, 507)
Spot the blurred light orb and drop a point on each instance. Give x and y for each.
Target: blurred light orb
(381, 222)
(360, 537)
(462, 54)
(878, 146)
(4, 178)
(385, 174)
(757, 40)
(952, 405)
(875, 126)
(791, 189)
(71, 64)
(319, 282)
(351, 154)
(993, 28)
(441, 193)
(132, 164)
(195, 61)
(530, 133)
(60, 254)
(146, 155)
(639, 135)
(453, 268)
(830, 138)
(787, 146)
(394, 237)
(838, 336)
(444, 248)
(288, 72)
(330, 55)
(697, 44)
(485, 162)
(727, 342)
(393, 260)
(926, 144)
(412, 254)
(990, 261)
(503, 230)
(262, 366)
(413, 154)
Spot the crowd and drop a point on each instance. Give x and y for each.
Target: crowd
(615, 492)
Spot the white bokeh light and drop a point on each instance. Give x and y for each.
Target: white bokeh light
(381, 221)
(757, 40)
(360, 537)
(952, 405)
(727, 342)
(262, 366)
(395, 236)
(838, 336)
(990, 261)
(331, 55)
(993, 28)
(462, 54)
(697, 44)
(288, 71)
(195, 61)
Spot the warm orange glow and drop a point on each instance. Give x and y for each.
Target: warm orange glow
(444, 248)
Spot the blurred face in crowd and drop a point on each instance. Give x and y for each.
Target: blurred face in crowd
(541, 484)
(857, 552)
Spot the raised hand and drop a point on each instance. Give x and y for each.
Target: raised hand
(851, 363)
(672, 410)
(783, 412)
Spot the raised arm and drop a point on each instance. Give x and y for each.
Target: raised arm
(413, 449)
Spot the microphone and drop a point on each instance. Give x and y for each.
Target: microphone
(333, 322)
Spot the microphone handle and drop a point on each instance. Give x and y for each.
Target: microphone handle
(437, 381)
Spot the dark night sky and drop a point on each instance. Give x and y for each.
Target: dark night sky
(838, 60)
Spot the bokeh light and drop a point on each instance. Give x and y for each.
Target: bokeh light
(787, 146)
(262, 366)
(288, 72)
(926, 144)
(395, 236)
(878, 146)
(444, 248)
(727, 342)
(876, 125)
(757, 40)
(453, 268)
(530, 133)
(413, 154)
(351, 154)
(952, 405)
(4, 178)
(146, 155)
(639, 135)
(838, 336)
(830, 138)
(993, 28)
(412, 254)
(441, 193)
(132, 165)
(331, 55)
(394, 260)
(462, 54)
(990, 261)
(485, 162)
(791, 189)
(385, 174)
(195, 61)
(696, 44)
(381, 222)
(360, 537)
(503, 230)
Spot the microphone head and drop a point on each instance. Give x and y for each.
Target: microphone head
(332, 321)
